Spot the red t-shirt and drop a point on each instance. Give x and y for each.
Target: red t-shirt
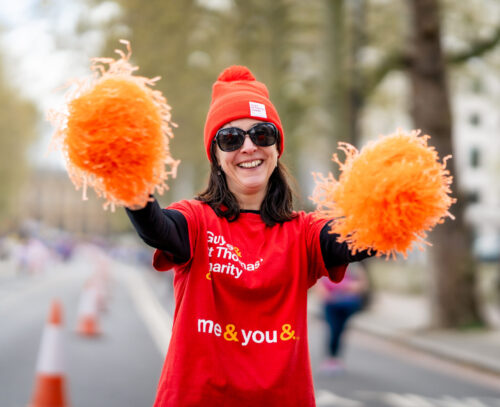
(239, 335)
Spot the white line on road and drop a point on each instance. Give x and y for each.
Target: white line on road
(156, 318)
(391, 399)
(426, 360)
(327, 398)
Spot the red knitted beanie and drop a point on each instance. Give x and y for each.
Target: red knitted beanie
(236, 95)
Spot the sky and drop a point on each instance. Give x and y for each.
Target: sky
(42, 52)
(34, 62)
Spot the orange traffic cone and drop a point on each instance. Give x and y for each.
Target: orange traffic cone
(50, 381)
(88, 320)
(99, 280)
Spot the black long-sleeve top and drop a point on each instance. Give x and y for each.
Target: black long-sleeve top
(167, 230)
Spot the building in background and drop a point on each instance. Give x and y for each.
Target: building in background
(50, 199)
(475, 106)
(477, 149)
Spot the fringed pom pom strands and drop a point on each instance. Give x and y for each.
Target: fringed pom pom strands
(114, 133)
(387, 196)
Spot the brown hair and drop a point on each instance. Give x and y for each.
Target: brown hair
(277, 206)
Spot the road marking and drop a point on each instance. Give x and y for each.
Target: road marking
(157, 319)
(327, 398)
(414, 400)
(406, 400)
(426, 360)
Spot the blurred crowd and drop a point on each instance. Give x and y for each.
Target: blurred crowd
(33, 249)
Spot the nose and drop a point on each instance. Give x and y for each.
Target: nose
(248, 145)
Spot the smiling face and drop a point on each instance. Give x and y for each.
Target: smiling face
(248, 169)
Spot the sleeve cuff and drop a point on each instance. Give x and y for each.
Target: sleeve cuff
(337, 273)
(162, 261)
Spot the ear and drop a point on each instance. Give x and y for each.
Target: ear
(277, 154)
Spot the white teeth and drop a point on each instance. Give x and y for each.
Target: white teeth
(250, 164)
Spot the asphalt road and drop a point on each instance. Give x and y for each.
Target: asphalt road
(380, 373)
(121, 366)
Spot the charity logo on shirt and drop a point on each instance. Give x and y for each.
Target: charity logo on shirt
(225, 258)
(231, 333)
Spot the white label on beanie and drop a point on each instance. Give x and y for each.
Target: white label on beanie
(257, 110)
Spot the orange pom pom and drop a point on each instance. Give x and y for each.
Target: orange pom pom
(115, 133)
(387, 196)
(236, 73)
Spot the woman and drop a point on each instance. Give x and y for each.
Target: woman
(243, 261)
(341, 302)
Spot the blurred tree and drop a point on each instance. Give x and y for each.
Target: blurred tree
(454, 300)
(367, 40)
(361, 47)
(17, 130)
(174, 39)
(363, 51)
(273, 39)
(338, 83)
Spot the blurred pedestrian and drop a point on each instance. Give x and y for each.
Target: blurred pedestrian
(38, 256)
(340, 302)
(243, 261)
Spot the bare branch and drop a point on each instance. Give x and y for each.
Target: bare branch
(476, 49)
(398, 60)
(394, 61)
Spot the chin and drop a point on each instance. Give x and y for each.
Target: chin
(253, 186)
(254, 182)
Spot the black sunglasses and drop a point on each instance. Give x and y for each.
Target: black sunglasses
(232, 138)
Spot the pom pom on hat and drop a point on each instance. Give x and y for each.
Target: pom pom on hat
(236, 95)
(387, 196)
(236, 73)
(114, 134)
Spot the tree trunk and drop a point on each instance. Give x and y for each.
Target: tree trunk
(335, 77)
(344, 88)
(454, 299)
(356, 85)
